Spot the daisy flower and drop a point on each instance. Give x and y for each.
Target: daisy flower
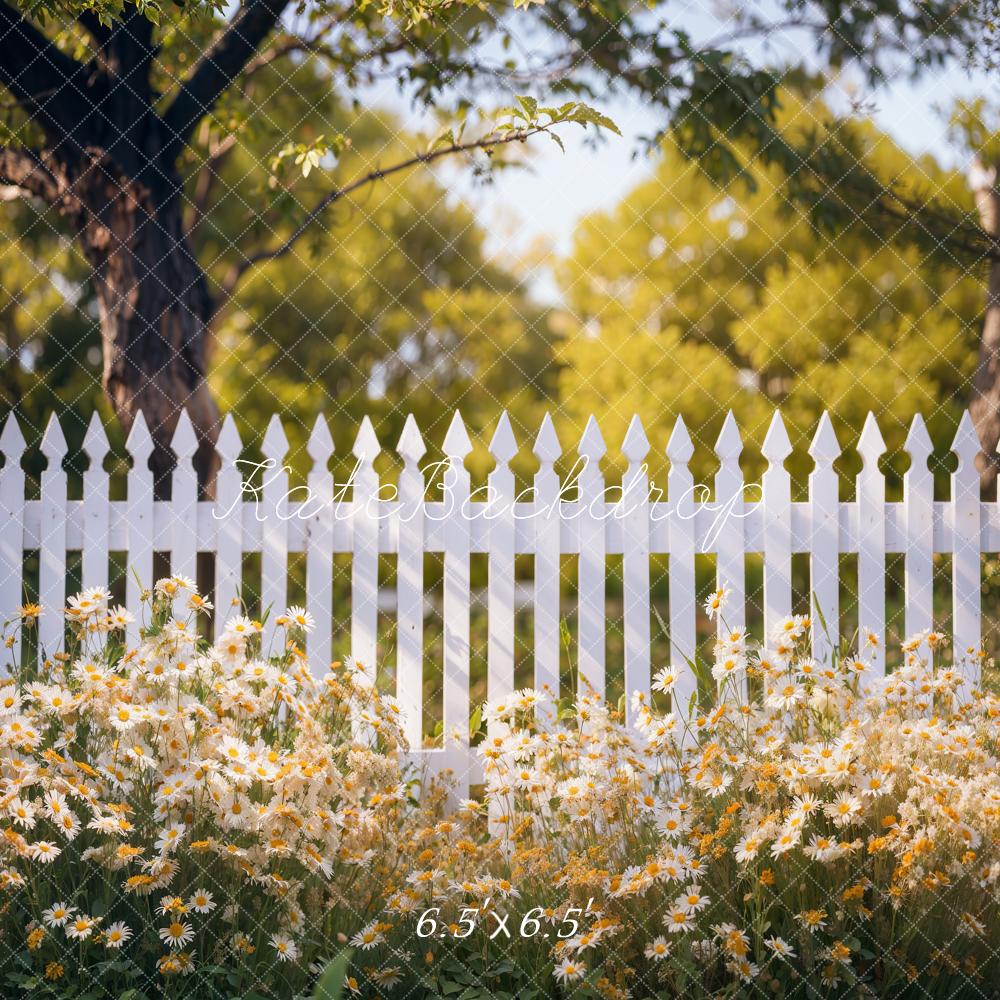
(57, 914)
(285, 947)
(657, 949)
(201, 901)
(716, 601)
(569, 970)
(117, 934)
(43, 851)
(367, 938)
(678, 919)
(177, 934)
(81, 927)
(780, 947)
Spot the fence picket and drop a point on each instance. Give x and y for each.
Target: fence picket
(918, 500)
(635, 565)
(410, 584)
(592, 565)
(319, 546)
(94, 558)
(500, 564)
(139, 519)
(730, 564)
(966, 532)
(274, 543)
(456, 600)
(548, 547)
(824, 541)
(52, 541)
(184, 500)
(12, 540)
(776, 485)
(228, 516)
(870, 502)
(364, 567)
(683, 596)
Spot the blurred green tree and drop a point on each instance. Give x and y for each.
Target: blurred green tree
(690, 299)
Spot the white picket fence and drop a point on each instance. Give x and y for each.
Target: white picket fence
(634, 523)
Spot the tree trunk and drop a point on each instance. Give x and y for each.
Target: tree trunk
(985, 405)
(154, 310)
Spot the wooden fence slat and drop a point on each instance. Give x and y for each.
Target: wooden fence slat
(12, 540)
(592, 566)
(140, 520)
(184, 500)
(776, 484)
(364, 565)
(52, 541)
(548, 548)
(727, 525)
(918, 500)
(635, 565)
(500, 564)
(870, 493)
(683, 594)
(410, 584)
(228, 515)
(824, 541)
(319, 547)
(274, 547)
(965, 562)
(94, 570)
(457, 584)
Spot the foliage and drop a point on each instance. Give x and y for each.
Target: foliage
(689, 299)
(186, 818)
(808, 829)
(180, 818)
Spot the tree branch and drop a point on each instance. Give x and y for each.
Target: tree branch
(40, 76)
(487, 142)
(205, 182)
(24, 169)
(217, 69)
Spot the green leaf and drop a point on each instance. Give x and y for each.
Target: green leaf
(331, 983)
(530, 107)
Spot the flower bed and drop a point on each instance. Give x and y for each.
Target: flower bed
(187, 820)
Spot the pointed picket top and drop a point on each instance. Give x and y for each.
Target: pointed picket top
(591, 446)
(366, 446)
(12, 442)
(139, 441)
(503, 444)
(824, 448)
(456, 442)
(411, 447)
(966, 445)
(275, 443)
(871, 444)
(547, 447)
(229, 446)
(320, 444)
(53, 445)
(729, 444)
(918, 444)
(95, 441)
(679, 447)
(184, 443)
(777, 446)
(635, 447)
